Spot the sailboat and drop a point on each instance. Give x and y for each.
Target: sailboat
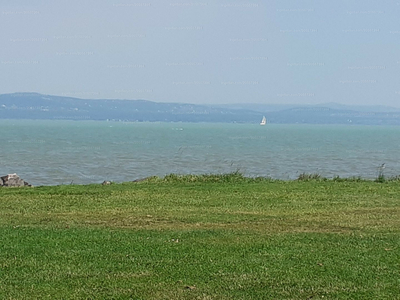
(263, 121)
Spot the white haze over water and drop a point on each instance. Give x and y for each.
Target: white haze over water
(61, 152)
(301, 52)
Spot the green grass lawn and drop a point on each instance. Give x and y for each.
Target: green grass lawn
(202, 238)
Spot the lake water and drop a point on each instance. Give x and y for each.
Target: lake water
(61, 152)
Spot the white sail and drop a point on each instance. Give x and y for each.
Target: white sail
(263, 121)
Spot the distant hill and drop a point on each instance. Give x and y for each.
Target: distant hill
(325, 115)
(38, 106)
(337, 106)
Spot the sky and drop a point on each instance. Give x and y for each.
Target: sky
(204, 52)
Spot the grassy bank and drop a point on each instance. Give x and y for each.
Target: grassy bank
(202, 237)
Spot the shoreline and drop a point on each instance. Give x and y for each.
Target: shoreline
(234, 177)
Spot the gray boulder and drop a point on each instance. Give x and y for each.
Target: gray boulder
(13, 180)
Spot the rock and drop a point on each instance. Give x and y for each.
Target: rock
(106, 182)
(12, 180)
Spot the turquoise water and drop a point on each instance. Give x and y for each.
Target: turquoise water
(61, 152)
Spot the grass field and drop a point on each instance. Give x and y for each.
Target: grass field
(202, 237)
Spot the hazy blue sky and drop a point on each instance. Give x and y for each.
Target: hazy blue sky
(345, 51)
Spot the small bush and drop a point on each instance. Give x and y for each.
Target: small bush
(308, 177)
(351, 179)
(394, 178)
(233, 177)
(229, 177)
(380, 178)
